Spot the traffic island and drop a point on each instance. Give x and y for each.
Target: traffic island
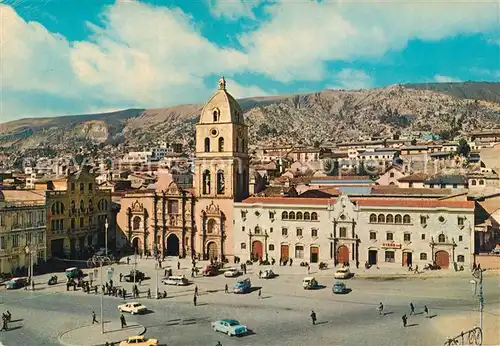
(91, 335)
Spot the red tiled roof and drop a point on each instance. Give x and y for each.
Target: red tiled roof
(366, 202)
(414, 177)
(413, 203)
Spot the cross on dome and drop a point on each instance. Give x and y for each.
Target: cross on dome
(222, 83)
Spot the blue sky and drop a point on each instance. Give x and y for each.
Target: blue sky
(67, 56)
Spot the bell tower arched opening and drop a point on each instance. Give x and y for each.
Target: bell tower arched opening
(221, 188)
(206, 182)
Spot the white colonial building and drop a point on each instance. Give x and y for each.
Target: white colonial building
(387, 232)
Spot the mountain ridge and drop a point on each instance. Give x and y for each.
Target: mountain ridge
(319, 116)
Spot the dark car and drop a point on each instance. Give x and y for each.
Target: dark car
(16, 283)
(139, 276)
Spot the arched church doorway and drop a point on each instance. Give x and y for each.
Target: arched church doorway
(257, 250)
(212, 250)
(136, 244)
(172, 245)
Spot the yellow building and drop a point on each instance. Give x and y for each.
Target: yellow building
(22, 223)
(197, 221)
(77, 211)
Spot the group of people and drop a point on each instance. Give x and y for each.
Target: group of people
(404, 318)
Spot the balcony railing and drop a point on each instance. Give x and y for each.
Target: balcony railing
(473, 337)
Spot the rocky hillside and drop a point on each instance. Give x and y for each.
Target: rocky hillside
(329, 115)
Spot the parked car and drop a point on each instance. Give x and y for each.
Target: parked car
(210, 270)
(242, 286)
(16, 283)
(339, 288)
(310, 283)
(267, 274)
(139, 276)
(74, 273)
(229, 327)
(232, 272)
(139, 340)
(132, 308)
(176, 280)
(343, 273)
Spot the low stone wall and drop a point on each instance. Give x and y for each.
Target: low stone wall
(488, 261)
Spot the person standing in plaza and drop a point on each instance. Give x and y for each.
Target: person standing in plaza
(405, 319)
(178, 265)
(121, 277)
(412, 309)
(260, 293)
(149, 293)
(194, 300)
(313, 317)
(122, 321)
(94, 319)
(426, 310)
(308, 269)
(195, 290)
(381, 309)
(226, 289)
(4, 323)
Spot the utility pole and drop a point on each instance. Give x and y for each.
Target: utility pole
(157, 289)
(481, 299)
(135, 263)
(106, 225)
(102, 298)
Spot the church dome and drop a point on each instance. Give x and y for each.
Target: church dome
(221, 108)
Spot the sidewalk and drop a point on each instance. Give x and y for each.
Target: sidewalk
(91, 335)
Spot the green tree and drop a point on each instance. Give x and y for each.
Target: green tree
(463, 148)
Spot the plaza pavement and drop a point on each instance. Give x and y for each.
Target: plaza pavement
(91, 335)
(281, 317)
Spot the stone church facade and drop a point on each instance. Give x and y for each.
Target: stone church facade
(173, 221)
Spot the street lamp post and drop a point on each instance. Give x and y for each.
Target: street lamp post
(102, 260)
(106, 225)
(478, 275)
(30, 251)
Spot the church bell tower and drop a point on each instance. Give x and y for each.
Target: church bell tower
(222, 162)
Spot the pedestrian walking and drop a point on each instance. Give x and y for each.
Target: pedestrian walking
(308, 269)
(412, 309)
(178, 265)
(260, 293)
(122, 321)
(121, 277)
(128, 260)
(149, 293)
(95, 289)
(426, 310)
(94, 319)
(4, 324)
(33, 285)
(405, 319)
(194, 300)
(291, 261)
(313, 317)
(218, 343)
(226, 289)
(381, 309)
(195, 290)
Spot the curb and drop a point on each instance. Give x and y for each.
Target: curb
(59, 338)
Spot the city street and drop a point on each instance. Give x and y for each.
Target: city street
(280, 317)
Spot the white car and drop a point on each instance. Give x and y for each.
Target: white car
(267, 274)
(232, 272)
(176, 281)
(133, 308)
(229, 327)
(343, 273)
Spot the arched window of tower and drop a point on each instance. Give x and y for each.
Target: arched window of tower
(220, 182)
(207, 144)
(216, 115)
(206, 182)
(221, 144)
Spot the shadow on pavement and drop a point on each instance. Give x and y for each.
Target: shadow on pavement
(253, 289)
(14, 328)
(201, 304)
(432, 316)
(322, 322)
(388, 313)
(412, 325)
(18, 320)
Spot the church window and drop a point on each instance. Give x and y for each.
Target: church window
(220, 182)
(211, 226)
(82, 205)
(307, 216)
(381, 218)
(206, 182)
(299, 216)
(221, 144)
(314, 217)
(216, 115)
(389, 218)
(284, 215)
(207, 145)
(136, 223)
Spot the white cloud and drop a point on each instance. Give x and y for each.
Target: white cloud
(352, 79)
(154, 58)
(233, 9)
(445, 79)
(309, 33)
